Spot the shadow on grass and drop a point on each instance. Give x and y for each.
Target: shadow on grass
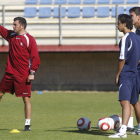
(95, 131)
(4, 129)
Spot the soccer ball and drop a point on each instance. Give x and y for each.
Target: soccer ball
(83, 123)
(104, 124)
(112, 123)
(117, 121)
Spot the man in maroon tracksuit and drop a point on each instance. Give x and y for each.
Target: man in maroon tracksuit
(22, 63)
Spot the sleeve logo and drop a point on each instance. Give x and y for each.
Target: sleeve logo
(21, 43)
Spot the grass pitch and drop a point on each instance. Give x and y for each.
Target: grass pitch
(55, 114)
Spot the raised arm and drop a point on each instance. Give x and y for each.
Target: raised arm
(5, 33)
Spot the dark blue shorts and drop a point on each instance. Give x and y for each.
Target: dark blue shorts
(129, 90)
(139, 79)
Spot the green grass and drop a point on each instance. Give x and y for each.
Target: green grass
(55, 114)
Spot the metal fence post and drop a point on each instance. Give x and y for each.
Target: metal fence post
(60, 26)
(117, 36)
(3, 22)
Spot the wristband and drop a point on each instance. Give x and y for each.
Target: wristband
(32, 72)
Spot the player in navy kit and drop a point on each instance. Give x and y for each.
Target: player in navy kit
(127, 75)
(22, 62)
(135, 15)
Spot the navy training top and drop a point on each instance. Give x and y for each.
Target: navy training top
(138, 33)
(130, 51)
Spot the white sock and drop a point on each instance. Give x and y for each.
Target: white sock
(123, 129)
(138, 125)
(27, 121)
(130, 123)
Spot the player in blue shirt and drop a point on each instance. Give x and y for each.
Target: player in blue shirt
(135, 15)
(127, 75)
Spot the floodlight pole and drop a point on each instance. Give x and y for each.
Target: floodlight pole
(3, 22)
(117, 36)
(60, 26)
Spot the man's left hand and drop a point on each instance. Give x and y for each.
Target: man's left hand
(30, 78)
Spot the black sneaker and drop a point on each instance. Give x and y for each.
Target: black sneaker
(129, 129)
(27, 128)
(136, 132)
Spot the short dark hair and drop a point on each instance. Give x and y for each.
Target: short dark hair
(124, 18)
(136, 10)
(22, 21)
